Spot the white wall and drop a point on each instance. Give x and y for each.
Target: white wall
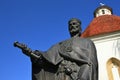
(107, 46)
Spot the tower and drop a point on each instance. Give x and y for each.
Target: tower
(104, 31)
(103, 10)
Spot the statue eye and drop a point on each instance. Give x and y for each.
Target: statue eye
(74, 23)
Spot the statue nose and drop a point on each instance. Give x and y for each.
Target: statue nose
(74, 26)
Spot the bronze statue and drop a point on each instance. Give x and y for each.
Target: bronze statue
(72, 59)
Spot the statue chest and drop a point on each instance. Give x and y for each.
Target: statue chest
(69, 45)
(72, 47)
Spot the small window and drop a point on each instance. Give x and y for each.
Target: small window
(103, 11)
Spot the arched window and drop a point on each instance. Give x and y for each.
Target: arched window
(113, 69)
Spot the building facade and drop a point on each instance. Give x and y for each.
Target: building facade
(104, 31)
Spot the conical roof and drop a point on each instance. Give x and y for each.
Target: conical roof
(101, 25)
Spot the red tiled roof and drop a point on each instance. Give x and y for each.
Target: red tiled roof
(101, 25)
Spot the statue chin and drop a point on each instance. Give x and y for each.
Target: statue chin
(76, 33)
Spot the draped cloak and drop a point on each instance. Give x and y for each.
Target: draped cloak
(77, 53)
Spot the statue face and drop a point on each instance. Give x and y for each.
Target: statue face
(74, 27)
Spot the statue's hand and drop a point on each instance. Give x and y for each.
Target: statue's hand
(27, 51)
(23, 47)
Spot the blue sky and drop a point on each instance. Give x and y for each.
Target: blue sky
(39, 24)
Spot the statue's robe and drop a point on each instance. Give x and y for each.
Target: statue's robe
(77, 53)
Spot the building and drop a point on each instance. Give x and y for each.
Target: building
(104, 31)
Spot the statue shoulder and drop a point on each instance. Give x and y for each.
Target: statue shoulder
(86, 40)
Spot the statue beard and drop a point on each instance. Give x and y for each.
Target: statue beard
(75, 33)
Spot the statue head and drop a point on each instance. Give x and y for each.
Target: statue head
(74, 26)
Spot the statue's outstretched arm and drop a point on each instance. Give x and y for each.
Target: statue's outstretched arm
(27, 51)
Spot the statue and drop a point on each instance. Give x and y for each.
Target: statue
(72, 59)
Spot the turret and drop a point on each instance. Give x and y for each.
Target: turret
(103, 10)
